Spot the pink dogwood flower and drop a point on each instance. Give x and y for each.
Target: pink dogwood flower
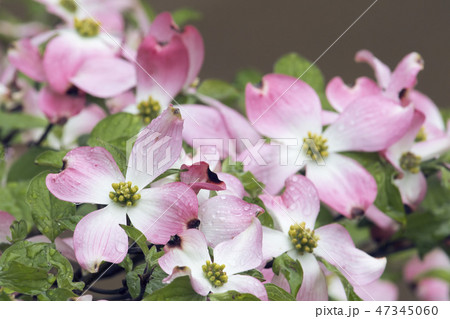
(81, 56)
(289, 112)
(111, 19)
(429, 288)
(91, 175)
(220, 217)
(294, 214)
(406, 155)
(397, 85)
(168, 60)
(394, 85)
(76, 126)
(58, 106)
(199, 176)
(204, 169)
(187, 254)
(207, 179)
(225, 215)
(163, 29)
(217, 124)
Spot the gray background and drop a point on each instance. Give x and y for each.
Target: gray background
(255, 33)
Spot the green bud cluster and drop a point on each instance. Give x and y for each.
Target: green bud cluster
(303, 239)
(149, 110)
(315, 141)
(124, 193)
(215, 273)
(69, 5)
(410, 162)
(87, 27)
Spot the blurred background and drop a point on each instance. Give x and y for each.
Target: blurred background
(241, 34)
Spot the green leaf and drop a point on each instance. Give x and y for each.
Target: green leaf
(19, 230)
(254, 273)
(349, 292)
(233, 168)
(116, 130)
(291, 269)
(127, 264)
(178, 290)
(133, 284)
(297, 66)
(25, 168)
(70, 222)
(151, 13)
(20, 121)
(276, 293)
(436, 200)
(184, 15)
(246, 76)
(427, 230)
(24, 279)
(85, 209)
(264, 218)
(4, 296)
(442, 274)
(251, 185)
(155, 283)
(241, 80)
(445, 177)
(25, 264)
(137, 237)
(232, 295)
(57, 294)
(13, 201)
(153, 256)
(52, 159)
(388, 199)
(46, 209)
(2, 163)
(219, 90)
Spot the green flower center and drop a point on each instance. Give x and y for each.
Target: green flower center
(316, 145)
(149, 110)
(303, 238)
(421, 135)
(215, 273)
(410, 162)
(69, 5)
(87, 27)
(124, 193)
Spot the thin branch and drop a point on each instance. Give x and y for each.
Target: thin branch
(45, 134)
(8, 138)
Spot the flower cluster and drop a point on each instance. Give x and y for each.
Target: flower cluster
(133, 156)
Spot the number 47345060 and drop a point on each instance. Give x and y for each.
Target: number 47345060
(407, 310)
